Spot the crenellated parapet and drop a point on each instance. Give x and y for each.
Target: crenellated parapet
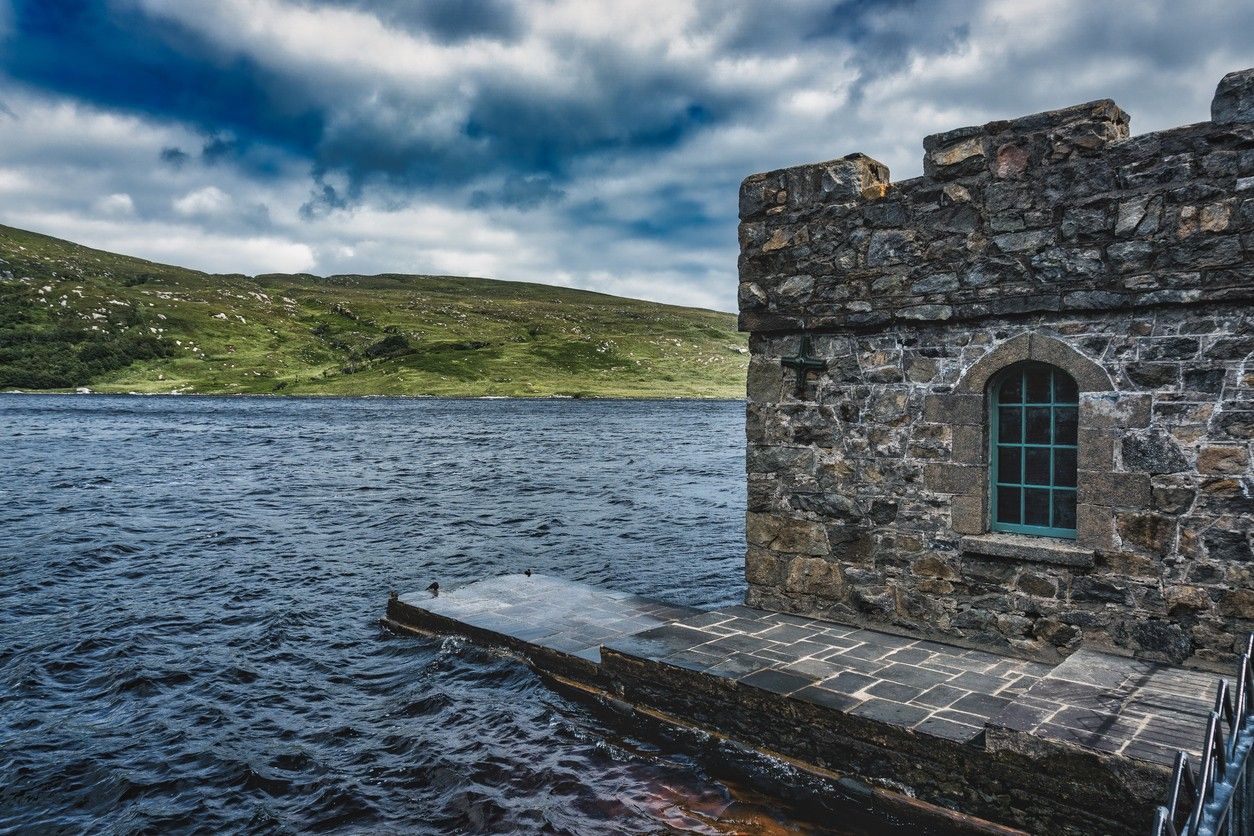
(1056, 211)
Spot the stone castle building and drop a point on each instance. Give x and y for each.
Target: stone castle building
(1009, 403)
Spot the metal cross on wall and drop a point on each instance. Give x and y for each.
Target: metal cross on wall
(804, 363)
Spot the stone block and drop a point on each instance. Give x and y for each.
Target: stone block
(925, 312)
(934, 566)
(814, 576)
(1109, 410)
(1153, 375)
(1173, 499)
(1161, 640)
(762, 567)
(759, 192)
(891, 246)
(765, 381)
(969, 444)
(1192, 598)
(848, 179)
(1038, 585)
(1153, 532)
(954, 409)
(967, 480)
(762, 493)
(1153, 452)
(760, 529)
(1117, 490)
(967, 514)
(1021, 547)
(785, 534)
(989, 570)
(801, 537)
(1223, 459)
(1099, 590)
(751, 296)
(1228, 545)
(777, 459)
(1234, 99)
(833, 506)
(1096, 448)
(1095, 527)
(1237, 603)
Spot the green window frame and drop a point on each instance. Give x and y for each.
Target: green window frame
(1034, 421)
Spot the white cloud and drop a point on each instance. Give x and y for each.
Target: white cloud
(209, 201)
(169, 243)
(13, 181)
(117, 204)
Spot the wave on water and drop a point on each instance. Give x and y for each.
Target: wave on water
(192, 589)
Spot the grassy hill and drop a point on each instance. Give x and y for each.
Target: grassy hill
(72, 316)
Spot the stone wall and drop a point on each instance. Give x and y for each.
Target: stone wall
(1055, 237)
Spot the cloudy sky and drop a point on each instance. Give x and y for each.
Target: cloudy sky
(590, 144)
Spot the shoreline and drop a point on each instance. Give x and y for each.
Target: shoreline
(328, 396)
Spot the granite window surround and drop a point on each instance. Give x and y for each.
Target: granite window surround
(968, 410)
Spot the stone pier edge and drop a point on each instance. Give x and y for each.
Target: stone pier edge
(1013, 768)
(587, 680)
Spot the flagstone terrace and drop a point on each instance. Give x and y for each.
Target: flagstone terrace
(955, 724)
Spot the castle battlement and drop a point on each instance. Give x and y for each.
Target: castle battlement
(1051, 212)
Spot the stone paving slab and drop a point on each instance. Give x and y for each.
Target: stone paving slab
(935, 689)
(553, 613)
(1093, 700)
(1117, 705)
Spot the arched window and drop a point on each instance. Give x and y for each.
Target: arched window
(1032, 471)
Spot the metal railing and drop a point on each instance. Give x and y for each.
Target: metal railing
(1217, 798)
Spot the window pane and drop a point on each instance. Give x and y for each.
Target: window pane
(1037, 472)
(1035, 506)
(1011, 389)
(1064, 509)
(1065, 425)
(1008, 429)
(1065, 390)
(1008, 464)
(1064, 466)
(1038, 425)
(1038, 385)
(1008, 505)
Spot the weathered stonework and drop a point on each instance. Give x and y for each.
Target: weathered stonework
(1126, 262)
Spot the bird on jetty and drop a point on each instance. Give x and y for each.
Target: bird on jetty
(527, 573)
(434, 589)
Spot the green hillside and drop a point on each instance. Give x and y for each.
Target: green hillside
(71, 316)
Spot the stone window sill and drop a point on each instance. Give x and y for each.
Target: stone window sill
(1028, 548)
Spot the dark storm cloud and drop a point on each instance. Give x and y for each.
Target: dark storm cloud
(615, 102)
(518, 193)
(443, 20)
(114, 56)
(158, 68)
(175, 157)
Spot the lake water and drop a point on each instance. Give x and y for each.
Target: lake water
(190, 591)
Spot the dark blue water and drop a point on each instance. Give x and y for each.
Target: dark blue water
(189, 599)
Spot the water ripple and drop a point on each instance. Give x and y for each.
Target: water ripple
(191, 590)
